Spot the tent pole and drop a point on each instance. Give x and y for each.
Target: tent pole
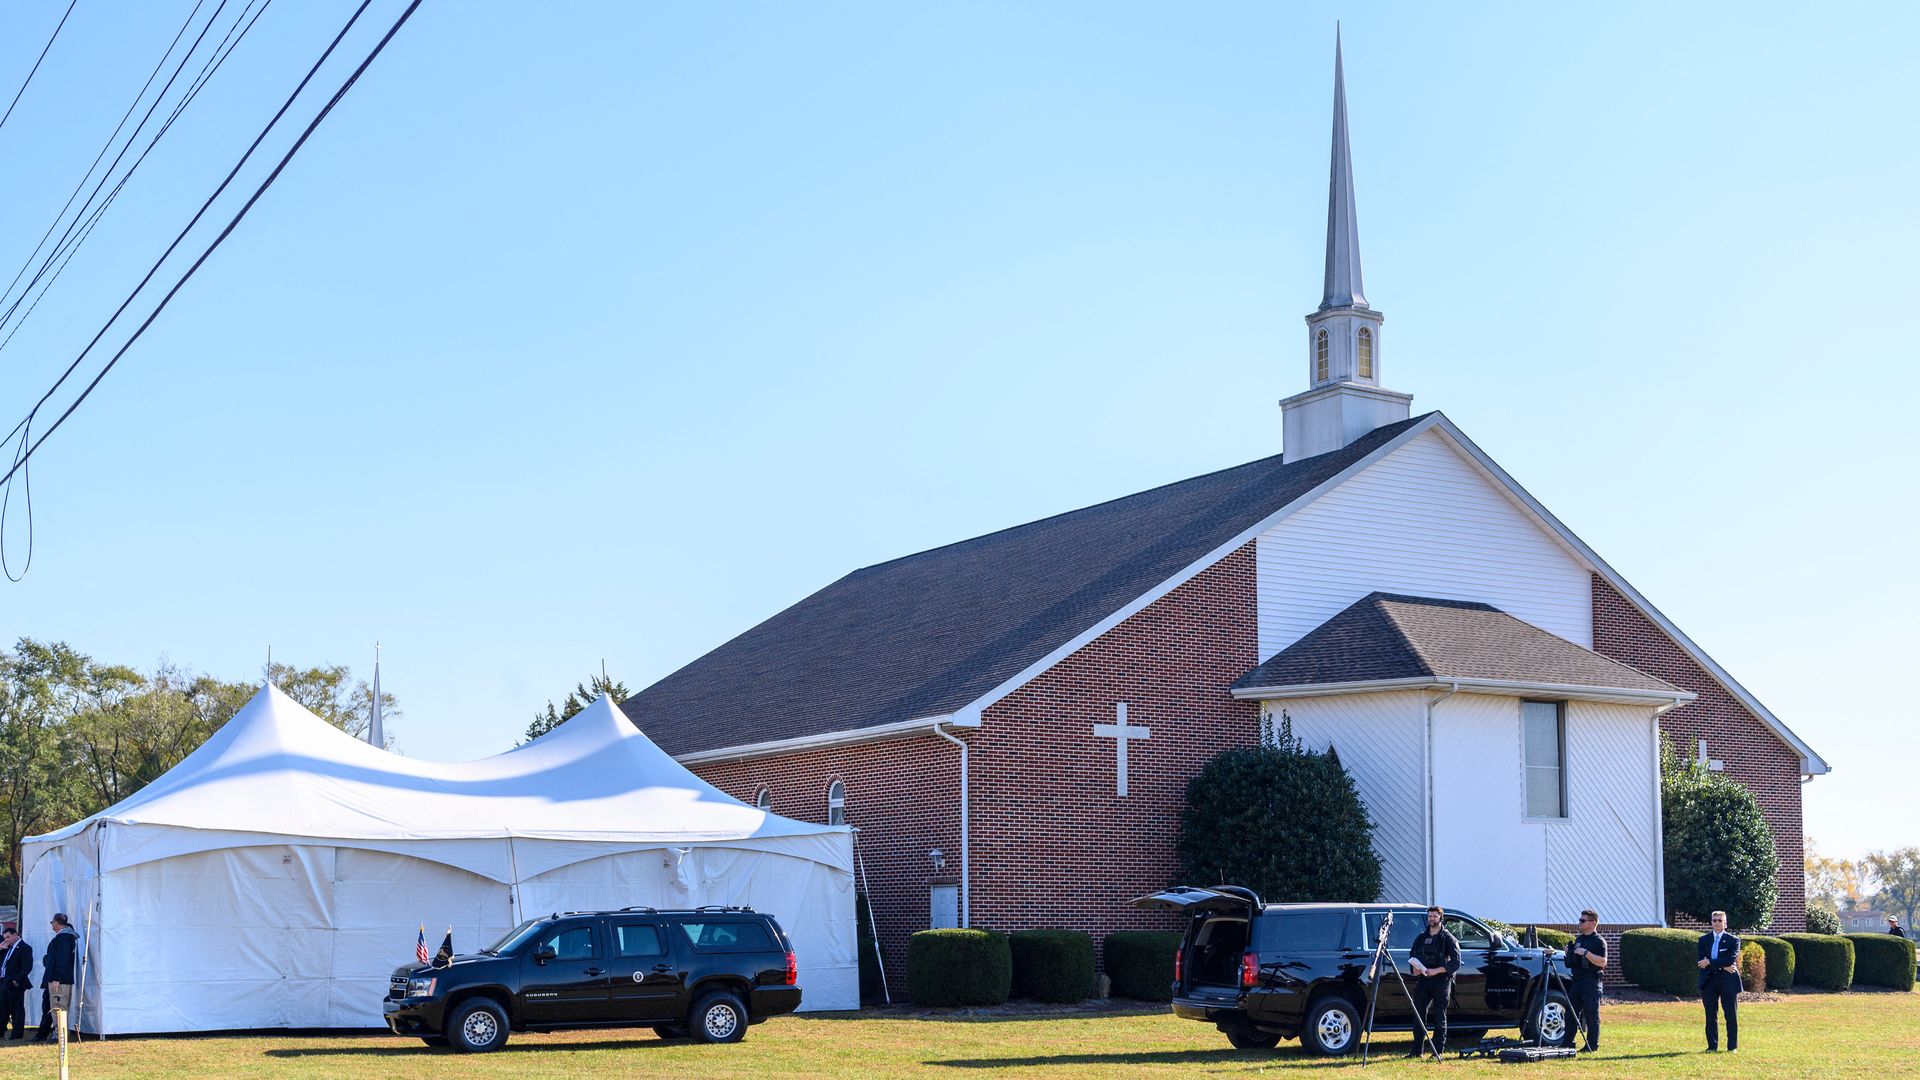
(885, 994)
(513, 890)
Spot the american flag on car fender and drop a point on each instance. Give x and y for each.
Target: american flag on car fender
(420, 950)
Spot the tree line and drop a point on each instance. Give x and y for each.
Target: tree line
(1884, 881)
(78, 735)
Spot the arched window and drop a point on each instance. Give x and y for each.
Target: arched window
(1320, 357)
(763, 799)
(1365, 353)
(836, 803)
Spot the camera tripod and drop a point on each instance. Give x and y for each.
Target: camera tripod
(1551, 980)
(1380, 954)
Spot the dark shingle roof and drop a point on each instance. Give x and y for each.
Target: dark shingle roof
(929, 633)
(1383, 636)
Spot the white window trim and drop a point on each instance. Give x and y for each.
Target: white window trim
(837, 801)
(763, 799)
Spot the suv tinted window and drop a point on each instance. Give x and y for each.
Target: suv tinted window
(1302, 931)
(637, 939)
(729, 936)
(1471, 934)
(1407, 925)
(572, 943)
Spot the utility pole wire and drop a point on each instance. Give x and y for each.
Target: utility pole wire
(36, 64)
(231, 225)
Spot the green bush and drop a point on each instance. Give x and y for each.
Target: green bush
(1822, 921)
(959, 967)
(1555, 939)
(1052, 965)
(1663, 961)
(1821, 961)
(1882, 960)
(1753, 966)
(1779, 961)
(1140, 963)
(1719, 850)
(1283, 820)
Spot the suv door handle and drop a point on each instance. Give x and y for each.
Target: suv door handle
(596, 971)
(663, 967)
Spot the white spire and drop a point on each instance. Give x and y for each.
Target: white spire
(1343, 285)
(376, 731)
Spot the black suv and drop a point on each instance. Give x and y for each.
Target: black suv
(705, 972)
(1262, 972)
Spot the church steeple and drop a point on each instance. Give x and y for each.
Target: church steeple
(1345, 399)
(1343, 287)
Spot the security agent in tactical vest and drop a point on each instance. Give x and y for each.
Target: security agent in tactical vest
(1586, 958)
(1434, 957)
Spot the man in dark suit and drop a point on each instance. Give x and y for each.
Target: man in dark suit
(1433, 957)
(56, 968)
(1720, 982)
(16, 978)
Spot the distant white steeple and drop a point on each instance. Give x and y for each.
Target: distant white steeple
(1345, 399)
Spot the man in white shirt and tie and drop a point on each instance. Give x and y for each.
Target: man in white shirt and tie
(1720, 982)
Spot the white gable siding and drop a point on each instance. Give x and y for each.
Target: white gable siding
(1488, 859)
(1606, 856)
(1425, 522)
(1382, 742)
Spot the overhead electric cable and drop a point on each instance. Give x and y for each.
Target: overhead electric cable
(36, 64)
(108, 145)
(158, 98)
(239, 216)
(65, 254)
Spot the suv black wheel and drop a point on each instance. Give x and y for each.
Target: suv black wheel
(718, 1017)
(670, 1031)
(477, 1026)
(1246, 1038)
(1332, 1027)
(1553, 1023)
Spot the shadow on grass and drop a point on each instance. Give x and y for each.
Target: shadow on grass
(1294, 1055)
(513, 1046)
(988, 1014)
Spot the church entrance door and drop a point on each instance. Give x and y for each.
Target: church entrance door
(943, 907)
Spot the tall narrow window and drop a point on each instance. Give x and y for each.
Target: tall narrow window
(836, 803)
(1320, 357)
(1364, 353)
(764, 800)
(1543, 732)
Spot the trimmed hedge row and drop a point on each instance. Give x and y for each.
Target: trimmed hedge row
(1052, 965)
(1140, 963)
(1882, 960)
(1779, 961)
(1555, 939)
(959, 967)
(1821, 961)
(1664, 961)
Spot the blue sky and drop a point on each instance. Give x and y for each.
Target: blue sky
(606, 333)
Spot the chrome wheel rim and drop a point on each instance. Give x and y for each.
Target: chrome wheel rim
(721, 1021)
(480, 1028)
(1334, 1029)
(1553, 1022)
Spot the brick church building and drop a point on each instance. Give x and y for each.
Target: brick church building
(1010, 721)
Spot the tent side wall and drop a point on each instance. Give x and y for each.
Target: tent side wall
(62, 878)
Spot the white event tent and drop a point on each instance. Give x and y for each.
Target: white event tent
(277, 875)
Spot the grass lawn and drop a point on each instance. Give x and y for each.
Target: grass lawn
(1812, 1035)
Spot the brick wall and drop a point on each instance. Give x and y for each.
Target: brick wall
(1754, 755)
(902, 794)
(1054, 844)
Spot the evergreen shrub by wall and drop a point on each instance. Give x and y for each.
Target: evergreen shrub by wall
(1052, 965)
(1882, 960)
(1661, 960)
(1822, 921)
(1821, 961)
(959, 967)
(1753, 966)
(1140, 963)
(1779, 961)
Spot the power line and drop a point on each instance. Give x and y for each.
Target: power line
(22, 459)
(36, 65)
(215, 61)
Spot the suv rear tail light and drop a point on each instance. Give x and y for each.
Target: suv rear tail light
(1249, 970)
(793, 971)
(1179, 968)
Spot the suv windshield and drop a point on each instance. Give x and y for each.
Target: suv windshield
(516, 937)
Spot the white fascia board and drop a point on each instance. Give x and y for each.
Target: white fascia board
(1811, 763)
(975, 708)
(875, 733)
(1501, 687)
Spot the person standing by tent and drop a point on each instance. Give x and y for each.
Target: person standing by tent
(16, 978)
(56, 970)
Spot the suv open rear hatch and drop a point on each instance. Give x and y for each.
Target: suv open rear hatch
(1190, 899)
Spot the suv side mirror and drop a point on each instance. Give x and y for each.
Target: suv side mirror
(1499, 940)
(543, 954)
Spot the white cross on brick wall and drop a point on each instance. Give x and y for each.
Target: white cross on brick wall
(1121, 734)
